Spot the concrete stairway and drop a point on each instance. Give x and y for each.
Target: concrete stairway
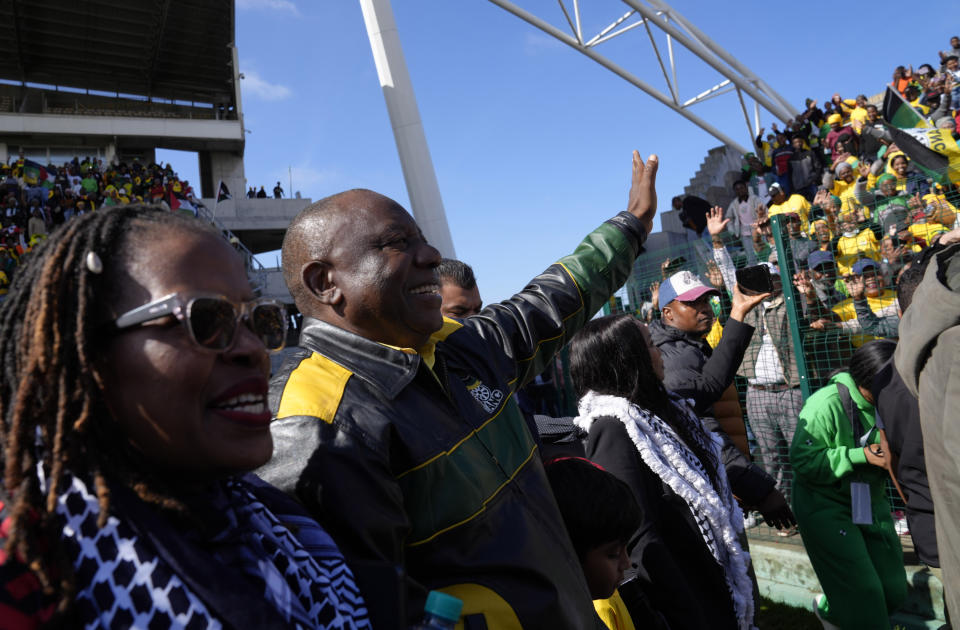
(714, 179)
(785, 575)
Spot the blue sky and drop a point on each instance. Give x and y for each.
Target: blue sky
(531, 140)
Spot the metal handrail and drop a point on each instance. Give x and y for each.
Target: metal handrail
(255, 269)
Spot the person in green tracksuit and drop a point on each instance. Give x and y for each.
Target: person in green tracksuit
(860, 566)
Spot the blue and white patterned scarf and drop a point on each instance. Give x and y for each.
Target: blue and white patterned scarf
(122, 582)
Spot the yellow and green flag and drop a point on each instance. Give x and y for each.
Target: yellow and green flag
(899, 113)
(933, 151)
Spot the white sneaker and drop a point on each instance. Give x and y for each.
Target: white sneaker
(816, 610)
(900, 523)
(750, 520)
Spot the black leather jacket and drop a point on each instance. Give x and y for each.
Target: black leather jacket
(436, 471)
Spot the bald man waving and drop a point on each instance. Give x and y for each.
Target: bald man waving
(396, 426)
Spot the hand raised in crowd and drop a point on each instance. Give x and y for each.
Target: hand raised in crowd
(820, 199)
(864, 168)
(776, 511)
(714, 275)
(743, 304)
(876, 456)
(643, 190)
(715, 221)
(655, 295)
(915, 201)
(762, 213)
(804, 285)
(855, 285)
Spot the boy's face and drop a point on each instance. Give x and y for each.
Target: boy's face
(603, 567)
(823, 232)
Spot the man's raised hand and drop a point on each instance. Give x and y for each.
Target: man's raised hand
(743, 304)
(715, 221)
(643, 190)
(855, 285)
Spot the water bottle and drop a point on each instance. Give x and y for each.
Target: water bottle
(441, 612)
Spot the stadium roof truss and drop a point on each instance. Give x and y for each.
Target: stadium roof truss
(642, 18)
(178, 50)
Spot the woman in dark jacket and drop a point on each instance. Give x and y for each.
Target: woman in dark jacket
(685, 554)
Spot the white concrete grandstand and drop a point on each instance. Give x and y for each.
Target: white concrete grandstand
(117, 80)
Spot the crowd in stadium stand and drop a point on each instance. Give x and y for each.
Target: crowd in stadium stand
(387, 477)
(867, 197)
(37, 198)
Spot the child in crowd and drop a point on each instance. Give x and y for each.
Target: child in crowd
(601, 515)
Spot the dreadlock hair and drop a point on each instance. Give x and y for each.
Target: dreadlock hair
(53, 419)
(609, 356)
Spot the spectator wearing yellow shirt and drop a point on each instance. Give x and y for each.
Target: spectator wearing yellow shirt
(912, 95)
(781, 204)
(858, 116)
(922, 228)
(939, 209)
(843, 106)
(854, 242)
(821, 234)
(882, 302)
(826, 206)
(909, 179)
(765, 147)
(842, 184)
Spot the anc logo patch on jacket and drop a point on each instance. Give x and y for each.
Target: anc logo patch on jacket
(488, 398)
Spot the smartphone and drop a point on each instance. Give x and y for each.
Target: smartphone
(755, 280)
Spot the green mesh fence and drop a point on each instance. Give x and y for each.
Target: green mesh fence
(815, 327)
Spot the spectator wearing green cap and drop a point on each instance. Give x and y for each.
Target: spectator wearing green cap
(888, 206)
(909, 179)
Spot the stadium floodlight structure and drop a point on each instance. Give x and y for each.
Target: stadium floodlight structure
(657, 14)
(418, 172)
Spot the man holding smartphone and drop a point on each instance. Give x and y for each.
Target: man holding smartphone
(695, 370)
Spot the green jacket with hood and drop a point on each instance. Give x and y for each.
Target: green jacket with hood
(825, 456)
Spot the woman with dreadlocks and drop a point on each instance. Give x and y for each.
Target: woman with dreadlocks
(686, 558)
(132, 403)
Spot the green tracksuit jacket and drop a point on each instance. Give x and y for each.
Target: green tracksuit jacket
(860, 567)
